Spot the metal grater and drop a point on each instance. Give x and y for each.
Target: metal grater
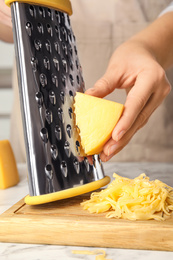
(49, 74)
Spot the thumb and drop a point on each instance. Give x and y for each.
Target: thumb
(103, 87)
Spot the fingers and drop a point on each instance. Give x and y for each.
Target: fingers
(101, 89)
(105, 85)
(90, 159)
(116, 147)
(145, 93)
(113, 147)
(146, 86)
(136, 100)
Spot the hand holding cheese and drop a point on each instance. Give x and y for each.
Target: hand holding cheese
(138, 66)
(95, 119)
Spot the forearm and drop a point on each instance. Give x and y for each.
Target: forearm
(5, 23)
(6, 33)
(158, 39)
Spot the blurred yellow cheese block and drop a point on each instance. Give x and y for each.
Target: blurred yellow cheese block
(95, 118)
(8, 169)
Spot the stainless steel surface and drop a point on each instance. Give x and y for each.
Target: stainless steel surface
(49, 75)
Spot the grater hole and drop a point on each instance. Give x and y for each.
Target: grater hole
(69, 35)
(67, 149)
(43, 80)
(69, 130)
(46, 63)
(55, 80)
(63, 78)
(78, 146)
(64, 47)
(70, 112)
(64, 33)
(71, 93)
(49, 29)
(54, 151)
(28, 27)
(52, 97)
(34, 63)
(64, 63)
(39, 99)
(49, 171)
(62, 97)
(77, 77)
(70, 49)
(44, 135)
(62, 18)
(60, 114)
(75, 49)
(40, 28)
(57, 30)
(58, 132)
(49, 116)
(57, 47)
(48, 46)
(86, 162)
(49, 12)
(31, 10)
(76, 165)
(56, 63)
(77, 64)
(64, 168)
(57, 14)
(71, 65)
(38, 44)
(41, 11)
(71, 80)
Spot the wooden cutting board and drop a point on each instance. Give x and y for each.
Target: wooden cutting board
(66, 223)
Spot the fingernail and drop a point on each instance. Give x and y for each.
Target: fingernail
(90, 90)
(112, 149)
(106, 158)
(119, 136)
(80, 159)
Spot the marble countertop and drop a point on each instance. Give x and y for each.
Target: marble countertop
(12, 251)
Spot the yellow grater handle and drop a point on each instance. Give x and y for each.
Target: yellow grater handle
(62, 5)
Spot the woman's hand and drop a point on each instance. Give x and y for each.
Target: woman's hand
(5, 23)
(133, 67)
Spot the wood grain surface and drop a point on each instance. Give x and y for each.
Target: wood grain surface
(66, 223)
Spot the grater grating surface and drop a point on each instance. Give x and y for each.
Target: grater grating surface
(49, 74)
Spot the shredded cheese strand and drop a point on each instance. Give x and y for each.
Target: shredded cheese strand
(133, 199)
(100, 254)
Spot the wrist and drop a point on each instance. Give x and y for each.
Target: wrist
(157, 39)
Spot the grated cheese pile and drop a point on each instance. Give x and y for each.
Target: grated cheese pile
(132, 199)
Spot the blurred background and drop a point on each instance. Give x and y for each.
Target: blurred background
(6, 92)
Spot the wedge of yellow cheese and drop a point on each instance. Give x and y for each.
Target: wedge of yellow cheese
(8, 169)
(95, 119)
